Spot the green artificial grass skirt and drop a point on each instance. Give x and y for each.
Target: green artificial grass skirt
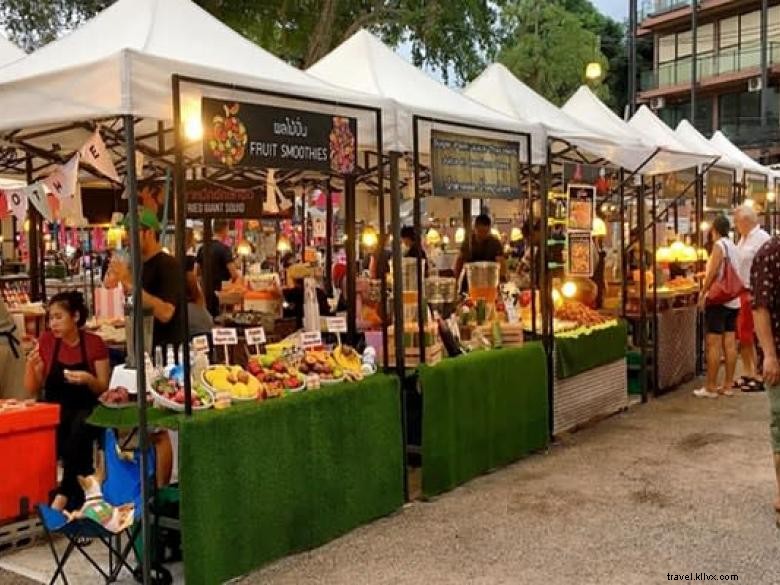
(575, 355)
(481, 411)
(259, 482)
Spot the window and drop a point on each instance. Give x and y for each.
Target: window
(740, 112)
(729, 32)
(673, 114)
(667, 48)
(684, 44)
(773, 26)
(750, 28)
(705, 40)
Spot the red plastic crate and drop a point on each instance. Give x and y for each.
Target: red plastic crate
(28, 457)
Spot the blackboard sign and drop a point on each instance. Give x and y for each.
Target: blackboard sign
(207, 200)
(251, 135)
(719, 186)
(674, 185)
(476, 168)
(755, 189)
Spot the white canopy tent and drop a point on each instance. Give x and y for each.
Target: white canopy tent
(497, 88)
(364, 63)
(688, 135)
(9, 52)
(121, 62)
(585, 105)
(724, 145)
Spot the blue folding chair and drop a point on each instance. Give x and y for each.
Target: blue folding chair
(122, 485)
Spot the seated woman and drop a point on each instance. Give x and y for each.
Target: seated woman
(71, 366)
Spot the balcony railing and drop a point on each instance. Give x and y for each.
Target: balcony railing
(725, 61)
(656, 7)
(747, 131)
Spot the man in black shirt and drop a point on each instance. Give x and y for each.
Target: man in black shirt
(483, 247)
(223, 266)
(162, 282)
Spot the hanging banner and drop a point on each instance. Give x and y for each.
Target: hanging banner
(95, 154)
(207, 200)
(253, 135)
(582, 200)
(674, 185)
(477, 168)
(580, 258)
(755, 189)
(17, 202)
(719, 188)
(36, 195)
(605, 179)
(62, 181)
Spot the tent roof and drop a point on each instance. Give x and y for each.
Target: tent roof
(585, 105)
(727, 147)
(364, 63)
(688, 135)
(499, 89)
(121, 62)
(9, 52)
(655, 131)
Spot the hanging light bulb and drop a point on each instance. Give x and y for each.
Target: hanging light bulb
(771, 196)
(433, 237)
(749, 203)
(283, 244)
(599, 227)
(460, 235)
(705, 226)
(495, 232)
(593, 71)
(569, 289)
(516, 234)
(369, 237)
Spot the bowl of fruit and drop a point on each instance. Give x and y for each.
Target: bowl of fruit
(276, 378)
(116, 398)
(233, 380)
(323, 365)
(170, 394)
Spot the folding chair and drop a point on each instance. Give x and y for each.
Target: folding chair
(121, 486)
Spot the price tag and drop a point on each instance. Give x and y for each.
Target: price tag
(336, 324)
(224, 336)
(255, 336)
(311, 339)
(200, 343)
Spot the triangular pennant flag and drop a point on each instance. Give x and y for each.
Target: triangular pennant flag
(62, 181)
(4, 211)
(95, 154)
(71, 211)
(17, 202)
(36, 194)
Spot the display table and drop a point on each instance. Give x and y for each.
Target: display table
(263, 480)
(589, 349)
(481, 411)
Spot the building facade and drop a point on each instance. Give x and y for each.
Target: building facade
(728, 63)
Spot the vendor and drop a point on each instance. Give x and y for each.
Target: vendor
(295, 299)
(223, 265)
(72, 368)
(411, 246)
(9, 353)
(483, 246)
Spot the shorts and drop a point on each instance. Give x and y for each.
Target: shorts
(720, 319)
(745, 326)
(774, 422)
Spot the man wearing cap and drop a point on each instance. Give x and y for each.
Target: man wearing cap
(162, 282)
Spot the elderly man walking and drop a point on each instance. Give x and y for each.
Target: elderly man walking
(752, 237)
(765, 278)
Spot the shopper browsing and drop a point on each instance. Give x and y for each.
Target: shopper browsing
(765, 284)
(72, 368)
(720, 318)
(752, 237)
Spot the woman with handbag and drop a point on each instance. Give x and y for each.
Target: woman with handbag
(719, 299)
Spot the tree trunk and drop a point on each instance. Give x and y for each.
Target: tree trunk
(322, 35)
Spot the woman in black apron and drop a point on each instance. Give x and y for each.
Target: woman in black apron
(72, 366)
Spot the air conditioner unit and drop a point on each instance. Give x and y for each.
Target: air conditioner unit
(754, 84)
(657, 103)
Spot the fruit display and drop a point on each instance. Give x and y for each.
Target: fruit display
(577, 312)
(349, 361)
(170, 394)
(116, 398)
(342, 146)
(275, 377)
(681, 283)
(322, 364)
(233, 380)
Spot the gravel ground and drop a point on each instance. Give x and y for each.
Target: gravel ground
(7, 578)
(677, 486)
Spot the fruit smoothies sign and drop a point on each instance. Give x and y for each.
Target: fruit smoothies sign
(465, 166)
(252, 135)
(719, 188)
(207, 200)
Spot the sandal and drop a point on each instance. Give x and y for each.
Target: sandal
(752, 385)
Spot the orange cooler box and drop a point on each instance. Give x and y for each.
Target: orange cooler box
(28, 458)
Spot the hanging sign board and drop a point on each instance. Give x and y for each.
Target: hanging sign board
(580, 259)
(477, 168)
(674, 185)
(582, 199)
(209, 201)
(605, 179)
(755, 189)
(719, 189)
(252, 135)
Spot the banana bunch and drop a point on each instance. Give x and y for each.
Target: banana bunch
(347, 358)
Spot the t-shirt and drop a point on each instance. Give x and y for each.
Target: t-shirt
(71, 354)
(200, 321)
(221, 256)
(162, 278)
(487, 250)
(748, 247)
(765, 281)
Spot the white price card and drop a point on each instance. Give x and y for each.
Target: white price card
(200, 343)
(255, 336)
(336, 324)
(311, 339)
(224, 336)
